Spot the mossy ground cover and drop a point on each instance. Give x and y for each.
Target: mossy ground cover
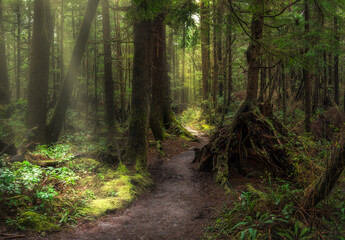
(45, 199)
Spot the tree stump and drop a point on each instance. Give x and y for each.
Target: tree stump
(251, 143)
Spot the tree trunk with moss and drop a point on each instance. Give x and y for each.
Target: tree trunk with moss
(136, 151)
(159, 77)
(322, 186)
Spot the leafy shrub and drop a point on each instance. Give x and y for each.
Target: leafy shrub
(57, 151)
(19, 177)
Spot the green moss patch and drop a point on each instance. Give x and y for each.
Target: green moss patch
(37, 222)
(84, 163)
(116, 192)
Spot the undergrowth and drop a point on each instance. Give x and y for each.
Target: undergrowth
(272, 208)
(46, 198)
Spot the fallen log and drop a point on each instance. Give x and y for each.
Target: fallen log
(324, 184)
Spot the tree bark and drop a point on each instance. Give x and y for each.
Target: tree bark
(284, 92)
(140, 108)
(306, 76)
(55, 124)
(39, 71)
(183, 80)
(336, 62)
(229, 28)
(18, 61)
(159, 77)
(205, 49)
(4, 81)
(254, 52)
(320, 189)
(119, 65)
(108, 71)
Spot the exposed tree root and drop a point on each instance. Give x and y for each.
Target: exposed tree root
(252, 143)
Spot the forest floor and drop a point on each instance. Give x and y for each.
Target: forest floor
(181, 205)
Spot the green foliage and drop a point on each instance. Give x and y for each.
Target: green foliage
(46, 193)
(257, 211)
(64, 174)
(56, 151)
(299, 232)
(19, 177)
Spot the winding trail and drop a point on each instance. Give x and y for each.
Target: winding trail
(181, 205)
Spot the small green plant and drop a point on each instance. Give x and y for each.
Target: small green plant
(57, 151)
(46, 193)
(63, 174)
(298, 233)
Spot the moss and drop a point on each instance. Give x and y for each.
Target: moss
(37, 222)
(112, 195)
(84, 163)
(85, 180)
(107, 172)
(117, 193)
(98, 207)
(122, 169)
(121, 185)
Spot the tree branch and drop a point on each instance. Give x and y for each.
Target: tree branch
(282, 11)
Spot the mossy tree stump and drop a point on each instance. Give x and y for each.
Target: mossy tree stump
(251, 143)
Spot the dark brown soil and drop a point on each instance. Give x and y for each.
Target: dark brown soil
(180, 206)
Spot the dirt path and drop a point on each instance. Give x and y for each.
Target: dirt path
(181, 205)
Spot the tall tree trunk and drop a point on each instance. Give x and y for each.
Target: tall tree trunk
(108, 71)
(284, 92)
(229, 32)
(39, 70)
(53, 57)
(205, 50)
(254, 52)
(306, 75)
(120, 67)
(95, 76)
(325, 85)
(177, 76)
(262, 81)
(55, 124)
(336, 61)
(142, 70)
(159, 75)
(18, 61)
(215, 54)
(183, 88)
(219, 29)
(161, 112)
(4, 82)
(62, 63)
